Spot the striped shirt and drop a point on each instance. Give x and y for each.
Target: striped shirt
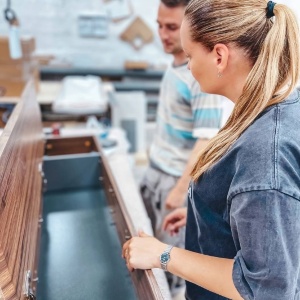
(184, 115)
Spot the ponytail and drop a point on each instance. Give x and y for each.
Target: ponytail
(273, 47)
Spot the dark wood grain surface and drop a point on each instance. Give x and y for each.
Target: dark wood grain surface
(69, 145)
(21, 151)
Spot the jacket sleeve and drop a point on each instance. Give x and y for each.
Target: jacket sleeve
(266, 230)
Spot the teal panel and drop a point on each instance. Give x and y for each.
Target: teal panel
(80, 254)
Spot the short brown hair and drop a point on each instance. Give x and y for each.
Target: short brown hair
(175, 3)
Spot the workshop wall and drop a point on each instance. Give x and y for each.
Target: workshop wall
(54, 23)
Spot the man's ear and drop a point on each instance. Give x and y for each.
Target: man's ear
(221, 53)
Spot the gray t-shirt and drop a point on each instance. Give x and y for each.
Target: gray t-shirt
(247, 207)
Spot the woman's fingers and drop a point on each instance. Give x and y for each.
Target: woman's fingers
(142, 252)
(124, 248)
(129, 267)
(141, 233)
(126, 255)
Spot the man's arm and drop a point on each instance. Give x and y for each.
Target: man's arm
(177, 195)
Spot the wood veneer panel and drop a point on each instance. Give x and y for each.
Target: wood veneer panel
(21, 152)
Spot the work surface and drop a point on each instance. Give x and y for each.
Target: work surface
(80, 250)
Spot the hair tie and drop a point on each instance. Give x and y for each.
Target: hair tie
(270, 9)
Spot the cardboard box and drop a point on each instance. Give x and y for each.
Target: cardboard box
(36, 77)
(12, 88)
(16, 71)
(22, 70)
(4, 49)
(44, 60)
(28, 45)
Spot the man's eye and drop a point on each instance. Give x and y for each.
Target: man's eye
(173, 28)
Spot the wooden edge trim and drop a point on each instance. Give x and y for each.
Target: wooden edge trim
(154, 284)
(5, 137)
(149, 273)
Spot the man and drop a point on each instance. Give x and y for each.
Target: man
(186, 119)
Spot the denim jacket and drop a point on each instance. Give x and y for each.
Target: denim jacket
(247, 207)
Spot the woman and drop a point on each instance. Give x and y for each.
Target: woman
(242, 228)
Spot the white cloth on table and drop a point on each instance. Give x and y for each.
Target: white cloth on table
(81, 95)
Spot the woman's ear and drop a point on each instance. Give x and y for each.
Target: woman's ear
(221, 53)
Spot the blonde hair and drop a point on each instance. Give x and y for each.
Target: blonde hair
(270, 44)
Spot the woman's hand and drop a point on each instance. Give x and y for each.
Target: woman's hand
(175, 220)
(143, 252)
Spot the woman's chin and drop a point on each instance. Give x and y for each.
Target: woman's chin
(206, 89)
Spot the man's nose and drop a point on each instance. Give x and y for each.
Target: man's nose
(163, 33)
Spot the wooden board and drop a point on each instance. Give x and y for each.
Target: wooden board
(21, 151)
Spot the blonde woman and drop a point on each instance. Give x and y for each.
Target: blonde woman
(242, 221)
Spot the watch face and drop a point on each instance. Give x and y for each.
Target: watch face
(165, 257)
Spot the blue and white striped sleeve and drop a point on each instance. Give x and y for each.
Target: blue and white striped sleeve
(207, 113)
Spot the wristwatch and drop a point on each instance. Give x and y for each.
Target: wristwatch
(165, 257)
